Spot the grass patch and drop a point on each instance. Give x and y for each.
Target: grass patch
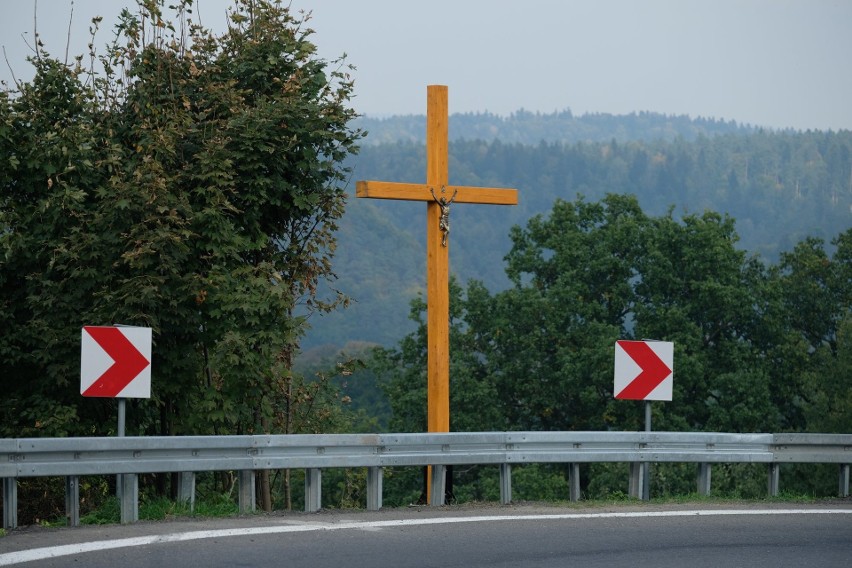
(221, 506)
(161, 509)
(109, 513)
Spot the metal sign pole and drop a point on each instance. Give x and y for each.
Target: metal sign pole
(122, 415)
(646, 479)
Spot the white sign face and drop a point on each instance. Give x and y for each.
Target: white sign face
(115, 362)
(643, 370)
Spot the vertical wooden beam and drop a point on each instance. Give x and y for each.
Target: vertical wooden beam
(437, 263)
(437, 272)
(437, 252)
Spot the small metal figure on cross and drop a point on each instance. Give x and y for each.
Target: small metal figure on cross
(444, 221)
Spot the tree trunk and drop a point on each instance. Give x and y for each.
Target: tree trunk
(265, 491)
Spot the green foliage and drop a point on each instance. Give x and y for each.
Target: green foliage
(780, 187)
(403, 486)
(194, 187)
(758, 348)
(536, 482)
(109, 513)
(160, 509)
(564, 127)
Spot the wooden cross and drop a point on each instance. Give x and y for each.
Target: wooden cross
(439, 196)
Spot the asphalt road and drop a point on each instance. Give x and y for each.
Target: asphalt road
(528, 536)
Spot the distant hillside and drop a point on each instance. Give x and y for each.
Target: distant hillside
(779, 186)
(530, 128)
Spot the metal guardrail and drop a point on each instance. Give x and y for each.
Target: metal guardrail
(130, 456)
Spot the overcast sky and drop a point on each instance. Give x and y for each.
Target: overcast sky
(775, 63)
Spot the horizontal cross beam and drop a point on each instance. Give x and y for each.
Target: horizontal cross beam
(423, 192)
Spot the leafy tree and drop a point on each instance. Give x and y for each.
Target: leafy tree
(816, 289)
(538, 356)
(473, 399)
(193, 187)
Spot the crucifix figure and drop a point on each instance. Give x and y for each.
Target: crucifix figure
(434, 192)
(444, 223)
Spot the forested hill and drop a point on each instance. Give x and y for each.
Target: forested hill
(526, 127)
(779, 187)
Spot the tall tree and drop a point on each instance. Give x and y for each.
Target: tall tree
(816, 290)
(193, 187)
(591, 273)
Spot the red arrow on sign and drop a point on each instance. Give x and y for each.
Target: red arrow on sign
(653, 370)
(128, 362)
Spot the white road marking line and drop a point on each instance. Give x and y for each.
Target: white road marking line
(22, 556)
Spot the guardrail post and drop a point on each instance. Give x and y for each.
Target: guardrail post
(245, 497)
(72, 500)
(774, 479)
(313, 490)
(186, 489)
(574, 482)
(439, 485)
(844, 480)
(505, 483)
(10, 502)
(705, 472)
(634, 489)
(129, 498)
(374, 488)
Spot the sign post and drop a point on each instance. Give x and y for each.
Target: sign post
(643, 371)
(115, 362)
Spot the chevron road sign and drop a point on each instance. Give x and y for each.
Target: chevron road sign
(643, 370)
(115, 362)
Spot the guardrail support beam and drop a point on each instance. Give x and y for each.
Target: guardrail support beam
(246, 496)
(129, 498)
(375, 477)
(636, 484)
(313, 490)
(505, 483)
(439, 485)
(843, 489)
(10, 503)
(774, 479)
(186, 489)
(72, 500)
(574, 482)
(705, 472)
